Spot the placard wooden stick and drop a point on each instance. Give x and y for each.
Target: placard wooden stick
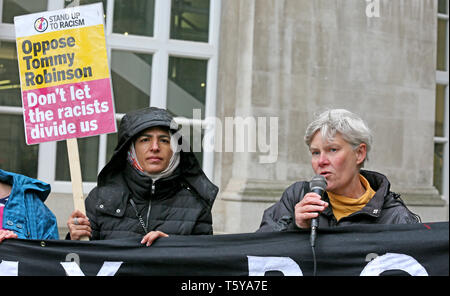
(75, 176)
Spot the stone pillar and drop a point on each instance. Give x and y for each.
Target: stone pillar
(293, 58)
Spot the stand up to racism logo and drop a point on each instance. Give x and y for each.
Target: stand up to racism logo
(41, 24)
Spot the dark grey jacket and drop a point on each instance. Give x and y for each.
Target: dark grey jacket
(385, 207)
(179, 204)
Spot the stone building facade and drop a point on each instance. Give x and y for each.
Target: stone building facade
(292, 59)
(281, 61)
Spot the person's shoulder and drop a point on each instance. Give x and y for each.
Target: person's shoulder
(105, 192)
(92, 196)
(397, 211)
(402, 215)
(295, 191)
(297, 186)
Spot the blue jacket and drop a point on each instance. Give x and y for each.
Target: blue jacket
(25, 212)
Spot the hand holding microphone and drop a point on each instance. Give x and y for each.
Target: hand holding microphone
(308, 209)
(317, 186)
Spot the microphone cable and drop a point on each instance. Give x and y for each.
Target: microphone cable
(314, 260)
(313, 244)
(318, 184)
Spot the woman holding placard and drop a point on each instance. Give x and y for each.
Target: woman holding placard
(150, 187)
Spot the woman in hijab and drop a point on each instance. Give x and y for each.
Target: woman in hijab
(150, 188)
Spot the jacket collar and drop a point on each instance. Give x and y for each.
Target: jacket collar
(114, 195)
(21, 183)
(127, 183)
(379, 184)
(143, 188)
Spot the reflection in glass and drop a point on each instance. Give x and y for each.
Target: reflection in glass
(186, 88)
(131, 78)
(12, 8)
(88, 150)
(441, 45)
(15, 155)
(10, 94)
(134, 17)
(190, 20)
(438, 166)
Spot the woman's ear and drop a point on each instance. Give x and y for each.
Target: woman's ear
(361, 153)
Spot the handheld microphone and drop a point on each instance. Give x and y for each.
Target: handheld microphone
(318, 184)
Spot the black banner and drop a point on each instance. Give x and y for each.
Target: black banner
(420, 249)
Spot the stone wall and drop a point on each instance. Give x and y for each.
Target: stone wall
(293, 58)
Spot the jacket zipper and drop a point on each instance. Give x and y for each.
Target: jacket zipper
(150, 205)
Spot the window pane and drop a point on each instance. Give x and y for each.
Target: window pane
(134, 17)
(15, 155)
(438, 166)
(440, 111)
(442, 6)
(186, 88)
(72, 3)
(10, 94)
(131, 78)
(12, 8)
(441, 45)
(88, 151)
(190, 20)
(196, 144)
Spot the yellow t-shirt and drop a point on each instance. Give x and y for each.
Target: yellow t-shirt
(343, 206)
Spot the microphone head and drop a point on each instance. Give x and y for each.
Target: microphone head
(318, 182)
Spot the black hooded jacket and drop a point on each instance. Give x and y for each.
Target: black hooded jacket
(385, 207)
(178, 204)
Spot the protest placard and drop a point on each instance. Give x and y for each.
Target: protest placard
(65, 79)
(64, 74)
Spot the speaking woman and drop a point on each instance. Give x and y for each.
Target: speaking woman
(339, 142)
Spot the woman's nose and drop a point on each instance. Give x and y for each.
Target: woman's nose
(154, 146)
(323, 159)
